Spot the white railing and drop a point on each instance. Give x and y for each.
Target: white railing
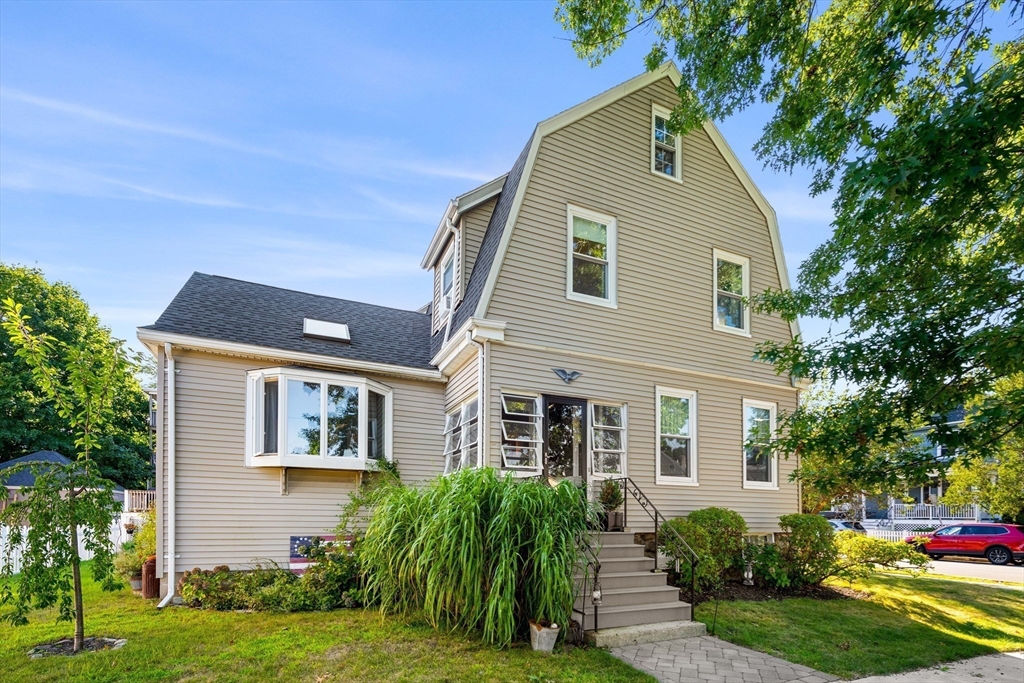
(888, 534)
(138, 501)
(919, 511)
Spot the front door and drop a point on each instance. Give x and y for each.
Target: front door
(565, 438)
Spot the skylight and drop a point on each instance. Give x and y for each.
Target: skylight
(321, 329)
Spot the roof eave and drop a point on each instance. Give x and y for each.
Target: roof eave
(456, 207)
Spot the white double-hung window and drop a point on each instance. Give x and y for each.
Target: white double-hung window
(760, 466)
(677, 437)
(521, 433)
(305, 418)
(591, 267)
(608, 439)
(666, 146)
(461, 437)
(447, 285)
(732, 287)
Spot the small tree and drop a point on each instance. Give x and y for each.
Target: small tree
(65, 500)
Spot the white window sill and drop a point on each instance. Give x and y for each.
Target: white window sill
(672, 481)
(732, 330)
(760, 487)
(314, 462)
(584, 298)
(666, 176)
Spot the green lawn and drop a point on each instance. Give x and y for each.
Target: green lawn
(324, 647)
(907, 623)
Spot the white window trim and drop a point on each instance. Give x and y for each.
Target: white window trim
(594, 474)
(463, 446)
(521, 472)
(764, 486)
(254, 419)
(659, 478)
(613, 254)
(678, 175)
(716, 255)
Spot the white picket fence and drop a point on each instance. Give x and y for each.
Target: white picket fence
(888, 534)
(117, 534)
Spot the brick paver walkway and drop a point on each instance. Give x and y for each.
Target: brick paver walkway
(709, 660)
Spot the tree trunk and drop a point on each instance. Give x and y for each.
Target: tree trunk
(76, 572)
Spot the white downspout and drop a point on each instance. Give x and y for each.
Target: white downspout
(171, 549)
(482, 402)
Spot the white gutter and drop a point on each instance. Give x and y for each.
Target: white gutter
(482, 394)
(169, 410)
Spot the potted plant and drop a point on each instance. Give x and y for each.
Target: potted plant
(543, 635)
(128, 564)
(611, 499)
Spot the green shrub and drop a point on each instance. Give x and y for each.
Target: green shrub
(770, 567)
(716, 536)
(808, 549)
(330, 581)
(128, 561)
(476, 550)
(611, 495)
(859, 555)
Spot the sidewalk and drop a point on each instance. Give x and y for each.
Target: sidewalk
(1008, 666)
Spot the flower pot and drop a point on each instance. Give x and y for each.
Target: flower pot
(543, 635)
(615, 521)
(136, 583)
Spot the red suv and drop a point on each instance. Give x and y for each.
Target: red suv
(999, 543)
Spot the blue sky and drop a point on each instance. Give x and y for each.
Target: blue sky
(310, 146)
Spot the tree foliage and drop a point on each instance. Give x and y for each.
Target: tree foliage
(909, 112)
(30, 421)
(65, 502)
(996, 483)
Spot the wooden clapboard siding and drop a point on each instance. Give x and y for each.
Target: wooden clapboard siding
(666, 233)
(719, 429)
(474, 225)
(230, 514)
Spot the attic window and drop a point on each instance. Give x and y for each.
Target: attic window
(321, 329)
(666, 146)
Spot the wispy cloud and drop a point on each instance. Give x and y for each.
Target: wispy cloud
(377, 157)
(416, 211)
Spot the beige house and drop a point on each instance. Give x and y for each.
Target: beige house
(587, 321)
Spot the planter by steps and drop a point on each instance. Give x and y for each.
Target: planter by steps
(543, 635)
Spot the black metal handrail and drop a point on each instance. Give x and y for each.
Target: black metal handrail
(645, 503)
(591, 563)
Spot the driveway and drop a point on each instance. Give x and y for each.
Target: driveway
(978, 569)
(1008, 667)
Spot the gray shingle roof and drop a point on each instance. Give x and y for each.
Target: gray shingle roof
(26, 477)
(225, 309)
(488, 248)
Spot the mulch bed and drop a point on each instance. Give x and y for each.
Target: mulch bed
(66, 646)
(737, 591)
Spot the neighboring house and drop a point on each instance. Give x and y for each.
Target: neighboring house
(26, 477)
(587, 321)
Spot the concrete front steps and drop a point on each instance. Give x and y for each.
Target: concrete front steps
(637, 604)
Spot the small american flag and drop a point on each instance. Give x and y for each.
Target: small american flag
(297, 560)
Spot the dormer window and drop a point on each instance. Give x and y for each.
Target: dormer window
(666, 146)
(447, 284)
(305, 418)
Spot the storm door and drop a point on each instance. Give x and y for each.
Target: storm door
(565, 438)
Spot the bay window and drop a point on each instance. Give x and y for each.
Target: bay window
(305, 418)
(608, 439)
(677, 437)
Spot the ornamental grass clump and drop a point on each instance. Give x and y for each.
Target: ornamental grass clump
(475, 550)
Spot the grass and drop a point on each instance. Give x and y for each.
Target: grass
(906, 623)
(322, 647)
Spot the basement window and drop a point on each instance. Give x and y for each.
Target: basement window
(306, 418)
